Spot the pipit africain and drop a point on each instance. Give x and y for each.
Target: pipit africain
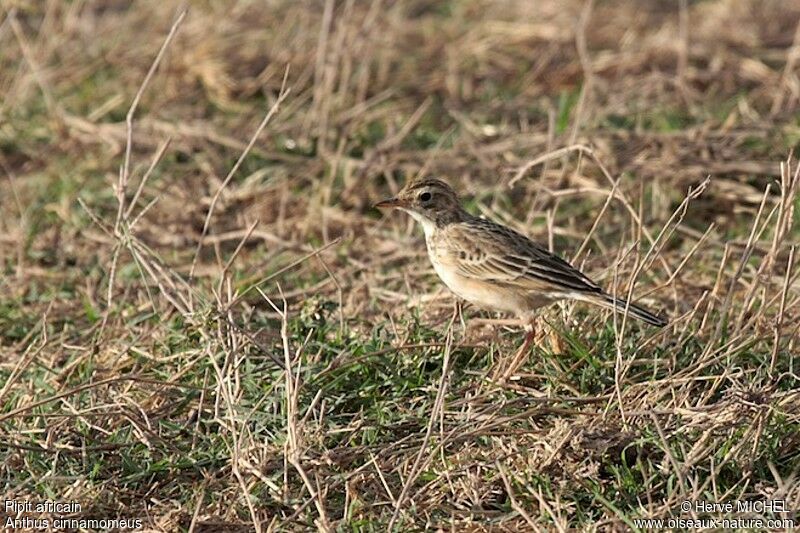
(493, 266)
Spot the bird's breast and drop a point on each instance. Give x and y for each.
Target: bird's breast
(482, 293)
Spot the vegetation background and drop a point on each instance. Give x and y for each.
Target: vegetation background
(205, 325)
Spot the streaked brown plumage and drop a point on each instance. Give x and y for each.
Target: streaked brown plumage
(493, 266)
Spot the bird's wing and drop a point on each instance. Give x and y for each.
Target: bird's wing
(487, 251)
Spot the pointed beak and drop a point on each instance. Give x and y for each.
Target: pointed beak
(390, 203)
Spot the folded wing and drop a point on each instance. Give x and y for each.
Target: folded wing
(495, 253)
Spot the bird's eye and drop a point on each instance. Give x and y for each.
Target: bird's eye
(425, 197)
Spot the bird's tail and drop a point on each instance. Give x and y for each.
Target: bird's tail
(621, 306)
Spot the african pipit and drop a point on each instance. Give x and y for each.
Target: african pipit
(493, 266)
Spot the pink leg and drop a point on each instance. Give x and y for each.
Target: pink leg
(519, 357)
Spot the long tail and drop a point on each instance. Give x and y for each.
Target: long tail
(620, 305)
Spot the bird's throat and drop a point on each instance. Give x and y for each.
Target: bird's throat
(428, 225)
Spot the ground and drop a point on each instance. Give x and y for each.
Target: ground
(205, 325)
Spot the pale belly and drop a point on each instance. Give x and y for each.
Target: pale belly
(482, 294)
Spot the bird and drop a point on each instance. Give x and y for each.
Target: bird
(495, 267)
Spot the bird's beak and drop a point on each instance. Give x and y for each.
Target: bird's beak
(390, 203)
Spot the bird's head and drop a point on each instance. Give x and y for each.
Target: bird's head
(431, 201)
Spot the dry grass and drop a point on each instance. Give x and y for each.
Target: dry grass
(203, 323)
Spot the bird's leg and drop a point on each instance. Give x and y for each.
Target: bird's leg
(459, 311)
(519, 357)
